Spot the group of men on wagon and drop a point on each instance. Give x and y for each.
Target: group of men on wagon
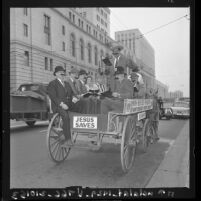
(70, 95)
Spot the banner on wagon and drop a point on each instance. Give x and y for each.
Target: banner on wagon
(85, 122)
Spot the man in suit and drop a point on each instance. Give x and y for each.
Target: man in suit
(83, 105)
(80, 82)
(60, 93)
(73, 75)
(123, 89)
(118, 59)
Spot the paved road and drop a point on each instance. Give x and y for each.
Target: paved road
(32, 168)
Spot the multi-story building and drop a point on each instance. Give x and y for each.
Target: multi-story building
(176, 94)
(143, 51)
(100, 17)
(42, 38)
(162, 89)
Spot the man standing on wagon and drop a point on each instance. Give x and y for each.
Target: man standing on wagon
(60, 93)
(118, 59)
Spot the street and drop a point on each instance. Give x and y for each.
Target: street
(31, 167)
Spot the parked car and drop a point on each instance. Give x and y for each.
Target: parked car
(29, 103)
(181, 109)
(166, 111)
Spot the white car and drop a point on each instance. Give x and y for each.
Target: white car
(181, 109)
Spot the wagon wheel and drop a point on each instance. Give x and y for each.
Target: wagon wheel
(128, 143)
(147, 135)
(55, 137)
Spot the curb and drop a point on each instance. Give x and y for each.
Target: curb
(174, 169)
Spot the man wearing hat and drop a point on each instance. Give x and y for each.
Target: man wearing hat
(118, 59)
(60, 93)
(80, 83)
(123, 89)
(73, 75)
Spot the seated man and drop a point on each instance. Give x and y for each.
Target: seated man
(61, 94)
(123, 89)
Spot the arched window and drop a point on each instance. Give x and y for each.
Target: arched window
(96, 56)
(89, 52)
(72, 44)
(81, 49)
(102, 55)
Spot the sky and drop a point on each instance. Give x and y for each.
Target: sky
(171, 43)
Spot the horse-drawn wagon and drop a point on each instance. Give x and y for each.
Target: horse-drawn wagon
(128, 128)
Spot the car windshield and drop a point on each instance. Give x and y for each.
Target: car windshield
(29, 88)
(181, 104)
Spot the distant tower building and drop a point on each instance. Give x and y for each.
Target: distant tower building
(144, 52)
(100, 17)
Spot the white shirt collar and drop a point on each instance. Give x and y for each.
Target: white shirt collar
(82, 82)
(60, 81)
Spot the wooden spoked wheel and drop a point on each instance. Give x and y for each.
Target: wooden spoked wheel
(128, 143)
(55, 138)
(148, 134)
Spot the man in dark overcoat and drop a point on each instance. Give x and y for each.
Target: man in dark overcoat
(118, 59)
(60, 93)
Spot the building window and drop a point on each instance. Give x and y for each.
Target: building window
(81, 49)
(102, 22)
(130, 43)
(25, 27)
(46, 63)
(105, 24)
(96, 55)
(63, 29)
(65, 66)
(70, 15)
(63, 46)
(106, 15)
(89, 29)
(89, 53)
(72, 44)
(47, 29)
(82, 24)
(102, 55)
(73, 18)
(25, 11)
(51, 64)
(101, 12)
(26, 55)
(79, 22)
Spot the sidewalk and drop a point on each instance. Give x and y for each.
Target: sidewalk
(174, 169)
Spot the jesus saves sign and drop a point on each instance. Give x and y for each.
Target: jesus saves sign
(85, 122)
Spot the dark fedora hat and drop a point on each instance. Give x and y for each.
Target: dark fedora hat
(120, 70)
(82, 72)
(58, 69)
